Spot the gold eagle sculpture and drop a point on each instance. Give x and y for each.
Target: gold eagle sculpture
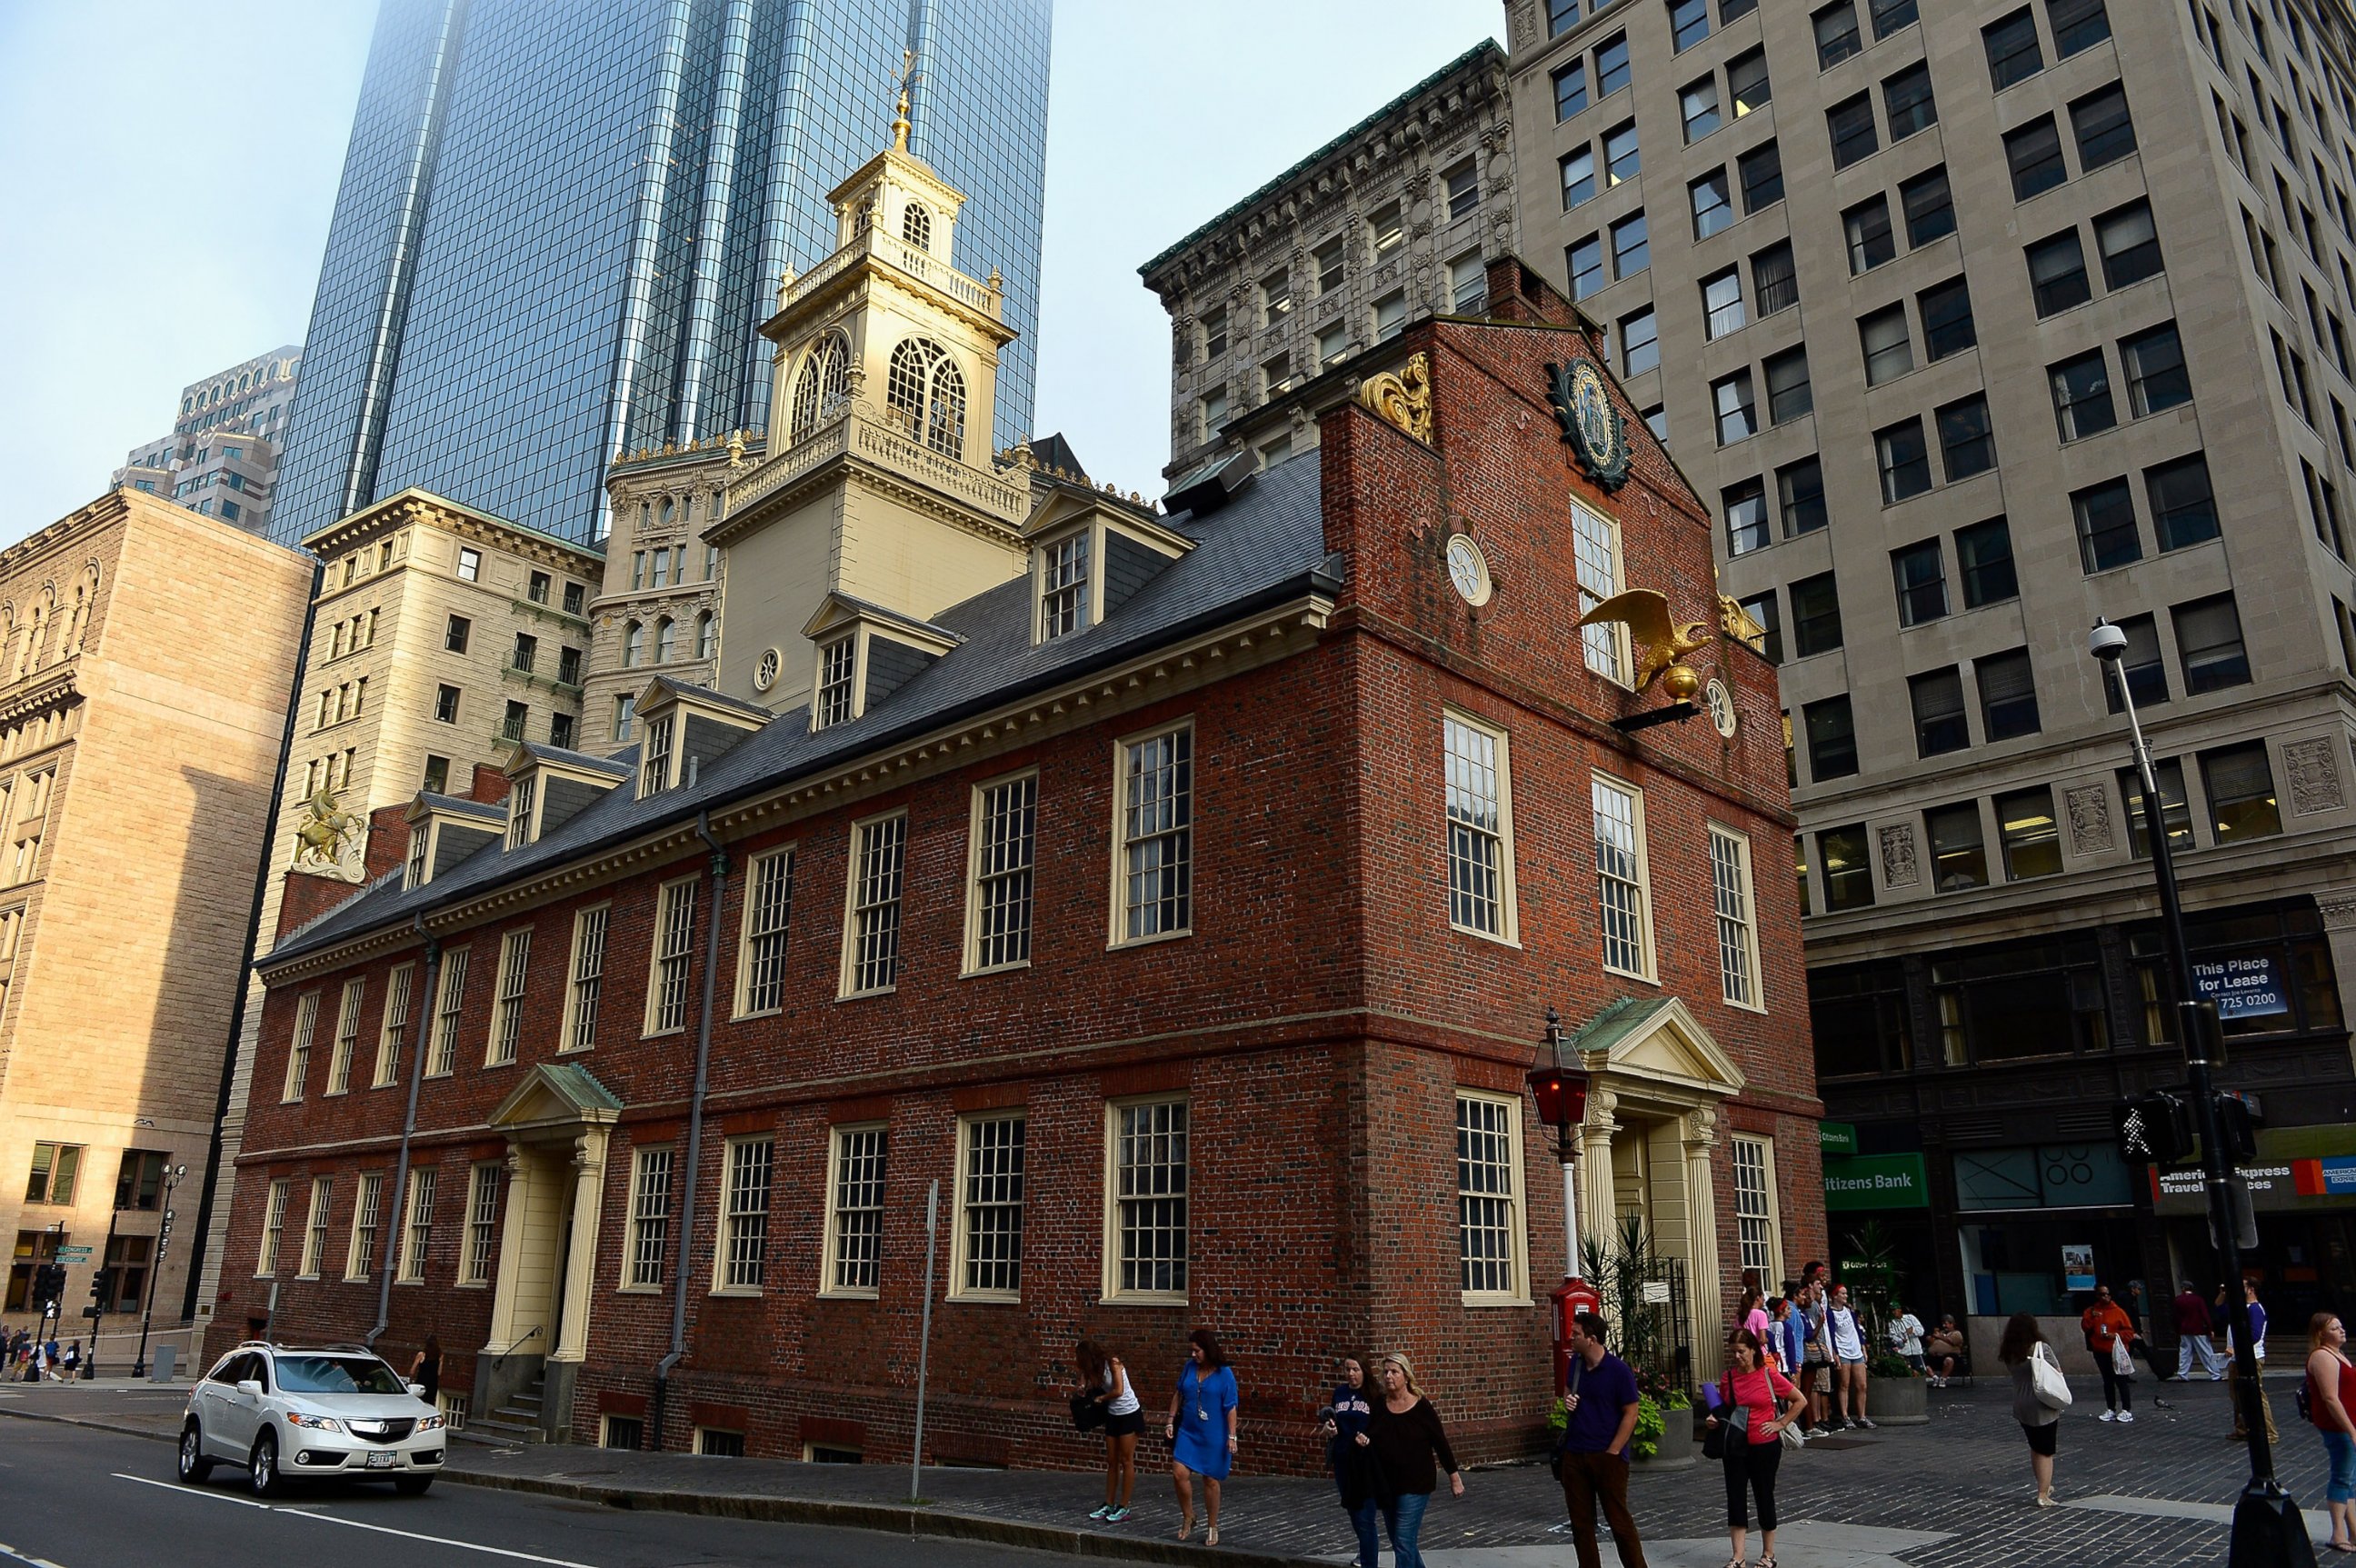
(1646, 613)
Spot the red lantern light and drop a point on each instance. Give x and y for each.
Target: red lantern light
(1561, 1094)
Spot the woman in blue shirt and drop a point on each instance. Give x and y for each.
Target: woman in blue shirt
(1202, 1430)
(1350, 1461)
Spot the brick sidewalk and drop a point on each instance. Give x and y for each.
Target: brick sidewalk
(1959, 1485)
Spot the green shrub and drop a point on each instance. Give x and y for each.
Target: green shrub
(1645, 1442)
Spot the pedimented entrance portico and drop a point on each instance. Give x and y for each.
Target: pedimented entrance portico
(557, 1122)
(1646, 1147)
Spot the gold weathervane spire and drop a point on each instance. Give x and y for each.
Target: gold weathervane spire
(900, 121)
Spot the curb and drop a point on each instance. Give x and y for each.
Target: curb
(885, 1518)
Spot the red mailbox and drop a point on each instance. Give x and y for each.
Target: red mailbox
(1570, 1298)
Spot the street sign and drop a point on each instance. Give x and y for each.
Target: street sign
(74, 1254)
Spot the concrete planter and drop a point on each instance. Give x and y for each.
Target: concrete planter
(1677, 1445)
(1898, 1401)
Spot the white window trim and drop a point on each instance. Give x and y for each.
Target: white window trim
(314, 1226)
(1649, 974)
(523, 811)
(298, 1047)
(273, 1227)
(423, 1184)
(719, 1286)
(1091, 581)
(1118, 924)
(564, 1045)
(827, 1288)
(450, 986)
(743, 986)
(401, 982)
(1110, 1293)
(358, 1265)
(667, 764)
(477, 1174)
(958, 1247)
(347, 1038)
(1741, 843)
(844, 989)
(969, 961)
(677, 888)
(1623, 652)
(857, 637)
(1775, 1211)
(631, 1221)
(507, 997)
(1509, 932)
(1520, 1294)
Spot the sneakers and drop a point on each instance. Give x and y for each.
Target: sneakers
(2108, 1416)
(2126, 1415)
(1865, 1423)
(1101, 1510)
(1116, 1516)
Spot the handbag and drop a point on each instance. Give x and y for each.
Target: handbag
(1731, 1427)
(2045, 1377)
(1088, 1413)
(2122, 1359)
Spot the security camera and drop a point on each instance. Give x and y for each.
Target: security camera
(2106, 642)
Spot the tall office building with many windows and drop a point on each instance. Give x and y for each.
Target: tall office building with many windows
(1976, 321)
(558, 228)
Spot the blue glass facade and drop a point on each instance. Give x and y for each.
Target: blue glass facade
(560, 225)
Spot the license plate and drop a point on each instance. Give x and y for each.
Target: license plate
(382, 1460)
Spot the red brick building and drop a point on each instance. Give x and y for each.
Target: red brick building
(1193, 929)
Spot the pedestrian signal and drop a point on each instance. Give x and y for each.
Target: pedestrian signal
(2153, 1130)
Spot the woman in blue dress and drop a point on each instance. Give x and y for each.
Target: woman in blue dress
(1202, 1430)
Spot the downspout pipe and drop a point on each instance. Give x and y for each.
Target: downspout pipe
(695, 1123)
(398, 1218)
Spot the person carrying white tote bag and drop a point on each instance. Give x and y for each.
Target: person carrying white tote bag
(2039, 1394)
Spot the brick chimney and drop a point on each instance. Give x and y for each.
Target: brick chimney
(387, 841)
(490, 785)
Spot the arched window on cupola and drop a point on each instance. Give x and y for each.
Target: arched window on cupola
(665, 635)
(823, 383)
(916, 226)
(926, 389)
(634, 644)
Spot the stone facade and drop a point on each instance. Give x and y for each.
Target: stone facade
(142, 704)
(369, 725)
(1314, 1010)
(1955, 387)
(1396, 218)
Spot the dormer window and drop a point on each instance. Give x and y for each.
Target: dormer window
(520, 803)
(1064, 590)
(837, 664)
(654, 769)
(916, 226)
(420, 835)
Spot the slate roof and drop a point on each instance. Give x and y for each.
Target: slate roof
(459, 806)
(569, 759)
(1265, 545)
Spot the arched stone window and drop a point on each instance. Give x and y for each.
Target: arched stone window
(44, 608)
(634, 644)
(824, 382)
(664, 513)
(707, 636)
(85, 598)
(664, 638)
(928, 391)
(916, 226)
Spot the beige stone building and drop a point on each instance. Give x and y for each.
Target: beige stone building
(1977, 321)
(143, 690)
(1393, 219)
(441, 639)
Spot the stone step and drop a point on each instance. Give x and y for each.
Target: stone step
(491, 1430)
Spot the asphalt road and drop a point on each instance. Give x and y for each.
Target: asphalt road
(73, 1497)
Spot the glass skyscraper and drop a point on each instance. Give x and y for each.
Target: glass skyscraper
(559, 225)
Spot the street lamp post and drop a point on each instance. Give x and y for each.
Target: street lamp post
(1559, 1088)
(156, 1269)
(2268, 1530)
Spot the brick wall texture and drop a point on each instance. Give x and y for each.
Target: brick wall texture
(1319, 1017)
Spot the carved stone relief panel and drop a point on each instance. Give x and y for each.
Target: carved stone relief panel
(1900, 867)
(2314, 776)
(2089, 809)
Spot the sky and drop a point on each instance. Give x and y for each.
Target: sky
(172, 168)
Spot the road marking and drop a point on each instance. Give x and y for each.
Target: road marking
(15, 1556)
(339, 1519)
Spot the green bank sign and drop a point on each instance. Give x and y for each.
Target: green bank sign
(1836, 1137)
(1875, 1181)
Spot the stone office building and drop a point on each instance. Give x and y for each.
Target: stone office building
(1165, 873)
(1396, 218)
(144, 654)
(1975, 322)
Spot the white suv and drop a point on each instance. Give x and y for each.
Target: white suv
(286, 1413)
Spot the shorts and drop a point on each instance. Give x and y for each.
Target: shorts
(1128, 1425)
(1852, 1361)
(2041, 1439)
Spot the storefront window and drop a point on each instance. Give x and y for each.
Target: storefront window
(1859, 1016)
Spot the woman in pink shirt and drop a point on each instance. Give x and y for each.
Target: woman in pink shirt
(1765, 1401)
(1752, 1314)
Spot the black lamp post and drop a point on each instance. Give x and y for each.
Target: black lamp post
(1560, 1086)
(2268, 1530)
(155, 1268)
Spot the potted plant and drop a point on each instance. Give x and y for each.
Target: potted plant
(1664, 1438)
(1897, 1395)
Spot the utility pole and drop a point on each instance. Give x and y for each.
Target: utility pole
(172, 1179)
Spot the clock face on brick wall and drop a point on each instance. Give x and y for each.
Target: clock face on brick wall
(1598, 436)
(1469, 570)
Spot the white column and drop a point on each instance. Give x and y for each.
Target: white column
(1702, 1220)
(505, 1271)
(580, 1262)
(1596, 1191)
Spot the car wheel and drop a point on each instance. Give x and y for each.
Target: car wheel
(263, 1468)
(193, 1467)
(411, 1485)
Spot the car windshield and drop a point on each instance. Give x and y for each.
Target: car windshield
(336, 1375)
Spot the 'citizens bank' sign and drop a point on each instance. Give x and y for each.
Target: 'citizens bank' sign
(2241, 987)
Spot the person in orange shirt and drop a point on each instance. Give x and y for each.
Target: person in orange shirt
(2107, 1325)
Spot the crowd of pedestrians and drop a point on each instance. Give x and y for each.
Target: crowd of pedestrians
(28, 1359)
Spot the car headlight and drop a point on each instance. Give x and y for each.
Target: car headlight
(430, 1424)
(313, 1423)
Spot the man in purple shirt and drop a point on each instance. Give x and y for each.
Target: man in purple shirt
(1599, 1417)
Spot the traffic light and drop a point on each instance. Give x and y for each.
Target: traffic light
(2153, 1130)
(2237, 1130)
(98, 1286)
(48, 1283)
